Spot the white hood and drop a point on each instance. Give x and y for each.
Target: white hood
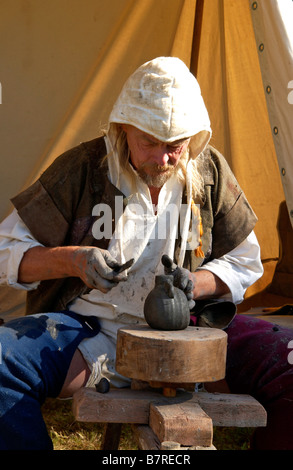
(163, 99)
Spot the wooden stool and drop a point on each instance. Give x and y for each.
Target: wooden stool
(162, 405)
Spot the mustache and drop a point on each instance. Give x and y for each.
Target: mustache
(157, 168)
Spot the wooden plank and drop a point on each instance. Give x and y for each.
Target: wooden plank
(170, 445)
(227, 409)
(183, 422)
(133, 406)
(116, 406)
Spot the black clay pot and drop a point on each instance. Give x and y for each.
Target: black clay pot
(166, 306)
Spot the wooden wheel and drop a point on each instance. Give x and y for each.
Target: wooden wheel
(171, 357)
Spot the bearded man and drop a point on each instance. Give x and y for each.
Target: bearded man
(167, 195)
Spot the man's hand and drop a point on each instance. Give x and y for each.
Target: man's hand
(98, 269)
(181, 278)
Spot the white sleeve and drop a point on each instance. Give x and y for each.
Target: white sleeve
(239, 268)
(15, 240)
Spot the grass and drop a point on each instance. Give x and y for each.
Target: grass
(68, 434)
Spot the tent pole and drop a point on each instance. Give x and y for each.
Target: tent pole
(196, 36)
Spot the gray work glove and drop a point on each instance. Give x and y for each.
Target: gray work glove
(98, 269)
(181, 278)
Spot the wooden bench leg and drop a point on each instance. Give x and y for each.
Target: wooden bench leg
(112, 436)
(145, 436)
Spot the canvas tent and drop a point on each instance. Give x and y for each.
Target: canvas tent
(63, 63)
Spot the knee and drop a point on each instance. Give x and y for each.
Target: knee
(77, 376)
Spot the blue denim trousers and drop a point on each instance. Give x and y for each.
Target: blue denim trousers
(35, 354)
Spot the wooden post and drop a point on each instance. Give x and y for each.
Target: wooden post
(112, 436)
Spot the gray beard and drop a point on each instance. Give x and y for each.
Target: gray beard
(156, 181)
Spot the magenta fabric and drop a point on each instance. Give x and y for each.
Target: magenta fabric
(258, 364)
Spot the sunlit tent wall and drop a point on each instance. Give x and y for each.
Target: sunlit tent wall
(63, 63)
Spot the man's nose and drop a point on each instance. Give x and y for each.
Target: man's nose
(161, 157)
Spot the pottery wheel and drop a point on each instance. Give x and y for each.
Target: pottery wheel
(183, 356)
